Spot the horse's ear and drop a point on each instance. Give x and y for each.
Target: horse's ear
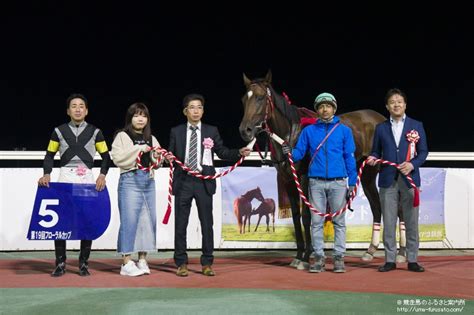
(268, 76)
(247, 81)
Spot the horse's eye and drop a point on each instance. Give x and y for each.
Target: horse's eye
(259, 98)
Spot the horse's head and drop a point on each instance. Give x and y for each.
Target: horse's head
(255, 106)
(258, 194)
(254, 193)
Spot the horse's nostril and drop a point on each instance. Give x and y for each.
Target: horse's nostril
(246, 134)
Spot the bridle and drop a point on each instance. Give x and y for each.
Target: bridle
(264, 126)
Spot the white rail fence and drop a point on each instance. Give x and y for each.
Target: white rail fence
(18, 188)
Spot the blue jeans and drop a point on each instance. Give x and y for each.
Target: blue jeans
(322, 192)
(137, 208)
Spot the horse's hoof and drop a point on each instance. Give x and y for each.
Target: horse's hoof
(367, 257)
(372, 249)
(295, 262)
(303, 265)
(401, 255)
(400, 259)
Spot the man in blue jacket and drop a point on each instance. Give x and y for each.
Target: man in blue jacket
(400, 140)
(331, 147)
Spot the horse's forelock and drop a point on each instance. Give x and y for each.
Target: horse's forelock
(259, 81)
(279, 100)
(258, 84)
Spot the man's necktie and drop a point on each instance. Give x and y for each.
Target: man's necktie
(192, 160)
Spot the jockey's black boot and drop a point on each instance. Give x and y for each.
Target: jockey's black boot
(60, 252)
(84, 258)
(59, 270)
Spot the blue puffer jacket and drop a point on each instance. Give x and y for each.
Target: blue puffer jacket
(335, 158)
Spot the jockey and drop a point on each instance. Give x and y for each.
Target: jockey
(331, 170)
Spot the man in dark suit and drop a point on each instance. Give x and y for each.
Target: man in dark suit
(401, 140)
(195, 143)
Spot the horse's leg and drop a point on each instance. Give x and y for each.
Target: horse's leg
(303, 242)
(287, 186)
(248, 222)
(249, 217)
(273, 219)
(258, 222)
(402, 252)
(268, 222)
(306, 213)
(296, 216)
(370, 189)
(239, 222)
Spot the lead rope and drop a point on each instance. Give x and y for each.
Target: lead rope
(416, 199)
(170, 155)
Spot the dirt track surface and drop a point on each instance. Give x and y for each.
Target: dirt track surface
(445, 276)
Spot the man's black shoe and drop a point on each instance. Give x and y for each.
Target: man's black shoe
(415, 267)
(60, 270)
(84, 270)
(387, 267)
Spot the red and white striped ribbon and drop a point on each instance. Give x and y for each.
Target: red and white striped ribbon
(170, 192)
(416, 196)
(138, 160)
(170, 155)
(206, 177)
(353, 193)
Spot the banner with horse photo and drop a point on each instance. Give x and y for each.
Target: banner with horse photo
(246, 218)
(431, 218)
(250, 209)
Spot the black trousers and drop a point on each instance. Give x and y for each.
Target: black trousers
(60, 251)
(191, 188)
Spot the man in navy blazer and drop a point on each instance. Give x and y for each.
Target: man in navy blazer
(402, 140)
(187, 187)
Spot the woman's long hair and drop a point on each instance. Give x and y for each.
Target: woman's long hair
(141, 109)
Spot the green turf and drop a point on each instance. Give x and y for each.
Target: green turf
(286, 233)
(283, 233)
(203, 301)
(363, 233)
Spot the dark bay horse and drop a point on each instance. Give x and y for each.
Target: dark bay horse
(267, 209)
(264, 108)
(243, 207)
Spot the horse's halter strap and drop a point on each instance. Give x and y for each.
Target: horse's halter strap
(269, 108)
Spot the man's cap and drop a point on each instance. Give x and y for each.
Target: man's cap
(325, 98)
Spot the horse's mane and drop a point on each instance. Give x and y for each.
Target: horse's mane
(250, 192)
(288, 110)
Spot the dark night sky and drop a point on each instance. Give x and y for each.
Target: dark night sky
(119, 54)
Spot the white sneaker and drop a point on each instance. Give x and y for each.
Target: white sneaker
(143, 266)
(130, 269)
(295, 262)
(303, 265)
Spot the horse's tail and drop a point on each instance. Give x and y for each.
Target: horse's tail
(237, 212)
(272, 208)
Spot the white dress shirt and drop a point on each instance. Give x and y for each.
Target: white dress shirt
(397, 128)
